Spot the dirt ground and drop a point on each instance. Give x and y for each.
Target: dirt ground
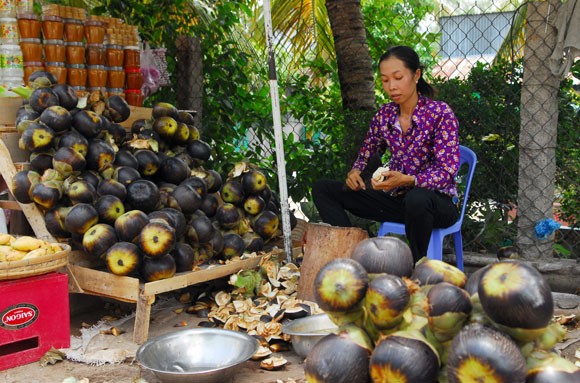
(131, 372)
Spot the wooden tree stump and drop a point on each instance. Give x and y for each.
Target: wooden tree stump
(323, 243)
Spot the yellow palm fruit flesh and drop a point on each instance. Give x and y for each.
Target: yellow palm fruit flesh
(6, 239)
(27, 243)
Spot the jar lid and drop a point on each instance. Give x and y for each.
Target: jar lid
(33, 63)
(131, 48)
(114, 46)
(132, 70)
(52, 18)
(76, 66)
(30, 40)
(115, 69)
(96, 88)
(55, 63)
(96, 46)
(53, 42)
(98, 67)
(73, 21)
(133, 91)
(77, 88)
(93, 23)
(116, 90)
(74, 44)
(27, 16)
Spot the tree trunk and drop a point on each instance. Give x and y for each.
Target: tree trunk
(189, 71)
(355, 70)
(539, 121)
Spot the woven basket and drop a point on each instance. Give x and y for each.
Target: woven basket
(35, 266)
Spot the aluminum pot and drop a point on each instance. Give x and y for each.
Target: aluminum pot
(307, 331)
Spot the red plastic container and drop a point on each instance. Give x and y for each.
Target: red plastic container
(34, 316)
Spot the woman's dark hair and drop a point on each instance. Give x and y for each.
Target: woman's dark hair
(411, 60)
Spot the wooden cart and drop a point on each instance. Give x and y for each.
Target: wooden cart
(86, 280)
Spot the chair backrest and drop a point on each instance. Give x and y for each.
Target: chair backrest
(466, 156)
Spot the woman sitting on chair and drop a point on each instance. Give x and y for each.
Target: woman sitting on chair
(418, 188)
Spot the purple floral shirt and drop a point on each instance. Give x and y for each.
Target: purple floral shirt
(429, 150)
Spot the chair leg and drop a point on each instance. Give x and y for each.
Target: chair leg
(458, 240)
(435, 250)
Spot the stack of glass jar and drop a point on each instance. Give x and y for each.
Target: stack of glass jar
(11, 59)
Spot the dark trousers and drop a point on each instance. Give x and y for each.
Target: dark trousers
(421, 210)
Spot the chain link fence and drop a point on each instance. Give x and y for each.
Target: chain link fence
(489, 60)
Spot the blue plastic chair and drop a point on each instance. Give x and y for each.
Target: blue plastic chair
(435, 250)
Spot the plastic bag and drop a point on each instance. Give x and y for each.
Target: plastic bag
(151, 74)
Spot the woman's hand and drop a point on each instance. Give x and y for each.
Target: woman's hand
(354, 181)
(393, 180)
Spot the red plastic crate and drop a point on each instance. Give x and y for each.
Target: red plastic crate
(34, 316)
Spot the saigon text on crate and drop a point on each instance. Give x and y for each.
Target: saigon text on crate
(34, 316)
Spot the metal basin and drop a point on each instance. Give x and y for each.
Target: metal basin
(200, 355)
(306, 332)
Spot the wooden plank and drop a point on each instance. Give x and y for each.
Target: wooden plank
(30, 211)
(137, 113)
(323, 243)
(105, 284)
(142, 318)
(182, 280)
(10, 139)
(10, 205)
(8, 108)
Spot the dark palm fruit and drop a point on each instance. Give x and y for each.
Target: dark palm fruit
(232, 191)
(138, 125)
(479, 353)
(253, 242)
(254, 182)
(25, 113)
(389, 255)
(228, 216)
(404, 357)
(123, 258)
(179, 223)
(80, 218)
(165, 126)
(126, 175)
(87, 123)
(187, 198)
(254, 204)
(549, 367)
(340, 285)
(36, 137)
(109, 208)
(213, 181)
(47, 194)
(42, 78)
(234, 245)
(337, 359)
(174, 170)
(209, 205)
(82, 192)
(129, 225)
(197, 183)
(118, 109)
(118, 133)
(433, 271)
(266, 224)
(54, 220)
(199, 150)
(194, 133)
(386, 299)
(98, 239)
(216, 241)
(40, 161)
(184, 257)
(449, 308)
(149, 162)
(74, 140)
(99, 155)
(91, 177)
(156, 239)
(516, 296)
(473, 281)
(126, 158)
(42, 98)
(199, 230)
(68, 161)
(162, 109)
(56, 117)
(186, 116)
(112, 187)
(158, 268)
(143, 194)
(67, 96)
(23, 184)
(181, 135)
